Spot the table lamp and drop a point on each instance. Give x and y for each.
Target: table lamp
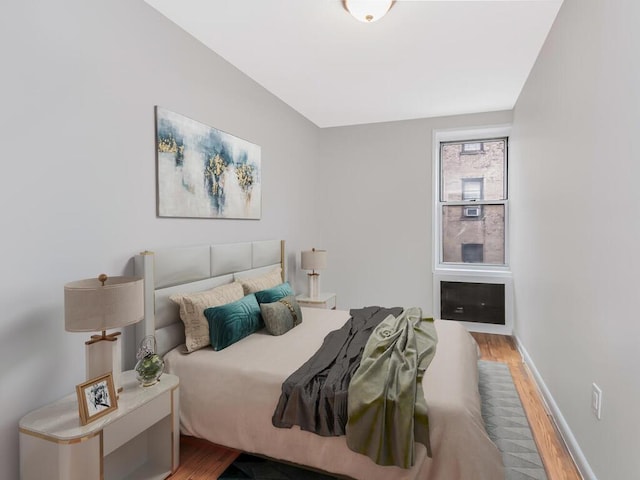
(97, 305)
(313, 260)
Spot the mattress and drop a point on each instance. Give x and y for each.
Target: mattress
(228, 397)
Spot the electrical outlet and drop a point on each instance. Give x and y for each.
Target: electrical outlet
(596, 400)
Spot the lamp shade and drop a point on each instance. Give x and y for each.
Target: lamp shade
(90, 305)
(313, 259)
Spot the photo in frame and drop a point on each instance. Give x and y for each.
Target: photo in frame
(202, 172)
(96, 397)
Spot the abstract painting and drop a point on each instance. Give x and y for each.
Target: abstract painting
(203, 172)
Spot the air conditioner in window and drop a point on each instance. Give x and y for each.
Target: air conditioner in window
(482, 301)
(471, 211)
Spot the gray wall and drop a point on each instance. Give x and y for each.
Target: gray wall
(575, 168)
(376, 205)
(79, 83)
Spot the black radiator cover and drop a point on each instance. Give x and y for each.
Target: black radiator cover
(473, 302)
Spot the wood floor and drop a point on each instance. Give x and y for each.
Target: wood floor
(557, 460)
(200, 460)
(203, 460)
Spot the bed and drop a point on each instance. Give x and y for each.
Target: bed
(228, 396)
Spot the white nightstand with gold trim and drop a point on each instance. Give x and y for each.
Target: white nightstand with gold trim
(323, 300)
(141, 439)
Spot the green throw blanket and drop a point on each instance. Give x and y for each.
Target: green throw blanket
(314, 397)
(387, 409)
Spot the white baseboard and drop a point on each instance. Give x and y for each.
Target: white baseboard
(567, 435)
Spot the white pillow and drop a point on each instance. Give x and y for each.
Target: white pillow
(267, 280)
(193, 305)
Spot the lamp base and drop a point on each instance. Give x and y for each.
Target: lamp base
(313, 284)
(103, 355)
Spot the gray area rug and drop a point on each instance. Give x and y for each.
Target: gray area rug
(504, 418)
(506, 423)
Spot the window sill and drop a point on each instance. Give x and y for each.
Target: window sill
(478, 271)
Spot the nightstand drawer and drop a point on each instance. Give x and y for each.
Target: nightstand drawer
(137, 421)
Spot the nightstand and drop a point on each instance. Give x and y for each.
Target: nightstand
(141, 439)
(323, 300)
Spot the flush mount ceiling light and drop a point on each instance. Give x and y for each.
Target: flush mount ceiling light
(368, 11)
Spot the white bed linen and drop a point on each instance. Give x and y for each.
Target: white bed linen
(228, 397)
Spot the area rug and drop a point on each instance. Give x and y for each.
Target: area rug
(504, 418)
(506, 423)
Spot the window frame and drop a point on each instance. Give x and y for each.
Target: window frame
(468, 135)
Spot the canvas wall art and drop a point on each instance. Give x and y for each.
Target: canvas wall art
(203, 172)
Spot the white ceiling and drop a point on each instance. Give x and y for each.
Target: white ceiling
(425, 58)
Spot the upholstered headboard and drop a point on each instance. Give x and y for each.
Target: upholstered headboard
(193, 269)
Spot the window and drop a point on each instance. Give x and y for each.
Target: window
(472, 191)
(475, 147)
(472, 188)
(472, 253)
(472, 212)
(472, 201)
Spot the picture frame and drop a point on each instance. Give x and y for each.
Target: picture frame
(96, 398)
(203, 172)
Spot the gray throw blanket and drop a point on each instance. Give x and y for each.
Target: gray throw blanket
(387, 409)
(314, 397)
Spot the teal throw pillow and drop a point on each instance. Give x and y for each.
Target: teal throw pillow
(274, 294)
(281, 316)
(233, 321)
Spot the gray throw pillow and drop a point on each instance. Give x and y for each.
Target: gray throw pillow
(281, 316)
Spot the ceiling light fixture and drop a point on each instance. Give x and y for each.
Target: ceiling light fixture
(368, 11)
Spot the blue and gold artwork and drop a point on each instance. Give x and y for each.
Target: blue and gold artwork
(203, 172)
